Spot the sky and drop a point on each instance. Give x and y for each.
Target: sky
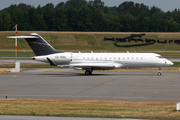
(165, 5)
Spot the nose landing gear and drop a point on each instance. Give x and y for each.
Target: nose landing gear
(159, 72)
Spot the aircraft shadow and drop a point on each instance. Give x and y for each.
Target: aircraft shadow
(83, 75)
(73, 74)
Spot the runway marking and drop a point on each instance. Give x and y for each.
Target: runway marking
(156, 92)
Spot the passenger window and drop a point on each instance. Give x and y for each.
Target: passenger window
(119, 58)
(96, 58)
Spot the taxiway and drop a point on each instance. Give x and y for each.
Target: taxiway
(69, 84)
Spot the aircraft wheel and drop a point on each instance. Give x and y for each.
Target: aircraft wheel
(88, 72)
(159, 73)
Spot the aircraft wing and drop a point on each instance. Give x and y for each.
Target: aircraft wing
(85, 66)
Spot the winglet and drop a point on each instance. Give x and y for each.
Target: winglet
(51, 62)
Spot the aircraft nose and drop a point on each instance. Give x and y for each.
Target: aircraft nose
(171, 63)
(168, 63)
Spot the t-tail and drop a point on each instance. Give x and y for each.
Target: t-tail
(38, 44)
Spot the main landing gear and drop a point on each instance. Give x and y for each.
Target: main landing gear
(159, 72)
(88, 72)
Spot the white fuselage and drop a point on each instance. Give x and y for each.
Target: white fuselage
(91, 61)
(118, 60)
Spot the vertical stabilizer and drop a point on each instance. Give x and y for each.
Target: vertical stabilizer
(38, 44)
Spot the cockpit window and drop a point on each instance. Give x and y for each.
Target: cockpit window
(160, 57)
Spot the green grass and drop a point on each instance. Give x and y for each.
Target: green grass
(27, 65)
(28, 54)
(176, 64)
(90, 108)
(90, 41)
(109, 45)
(169, 54)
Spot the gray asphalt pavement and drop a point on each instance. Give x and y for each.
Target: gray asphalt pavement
(174, 59)
(70, 84)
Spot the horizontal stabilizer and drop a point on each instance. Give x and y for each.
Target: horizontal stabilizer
(22, 37)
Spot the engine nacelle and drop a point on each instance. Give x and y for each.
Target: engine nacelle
(58, 59)
(61, 58)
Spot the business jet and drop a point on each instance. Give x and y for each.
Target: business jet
(91, 61)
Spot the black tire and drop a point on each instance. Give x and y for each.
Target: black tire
(159, 73)
(87, 72)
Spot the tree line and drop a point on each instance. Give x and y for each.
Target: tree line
(82, 15)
